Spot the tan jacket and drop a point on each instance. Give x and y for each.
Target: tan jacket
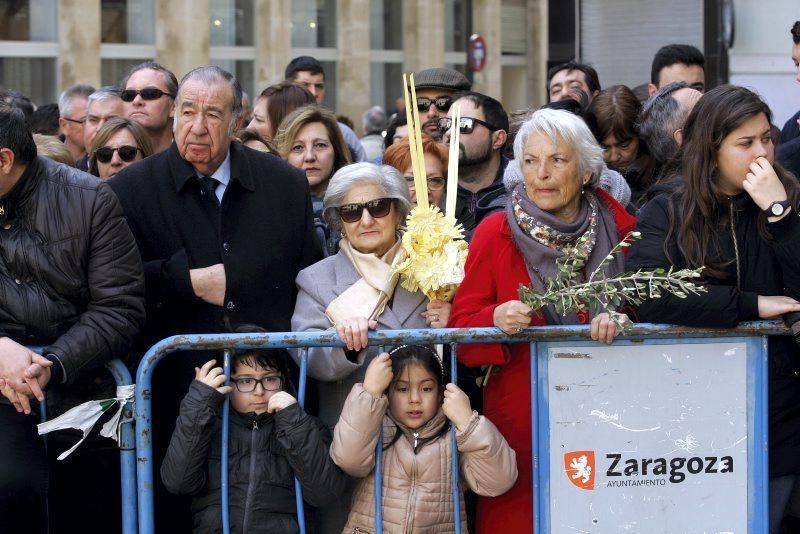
(417, 493)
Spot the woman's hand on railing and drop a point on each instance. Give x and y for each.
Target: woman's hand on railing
(437, 313)
(212, 376)
(353, 332)
(604, 326)
(512, 317)
(775, 306)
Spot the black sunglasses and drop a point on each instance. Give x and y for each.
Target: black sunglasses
(442, 103)
(466, 125)
(248, 385)
(380, 207)
(127, 153)
(148, 93)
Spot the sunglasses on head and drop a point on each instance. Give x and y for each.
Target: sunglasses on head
(380, 207)
(466, 125)
(442, 103)
(147, 93)
(127, 153)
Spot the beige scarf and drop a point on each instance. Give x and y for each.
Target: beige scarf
(369, 295)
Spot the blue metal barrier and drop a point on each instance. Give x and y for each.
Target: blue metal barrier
(127, 448)
(637, 334)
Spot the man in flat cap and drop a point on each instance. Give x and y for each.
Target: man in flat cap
(435, 88)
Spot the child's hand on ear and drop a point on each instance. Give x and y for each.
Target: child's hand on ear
(212, 377)
(279, 401)
(379, 375)
(456, 406)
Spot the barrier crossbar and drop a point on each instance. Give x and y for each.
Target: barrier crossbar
(452, 337)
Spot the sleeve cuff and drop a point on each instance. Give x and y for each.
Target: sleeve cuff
(786, 228)
(177, 271)
(748, 304)
(58, 375)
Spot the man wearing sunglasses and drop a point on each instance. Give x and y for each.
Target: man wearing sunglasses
(435, 89)
(148, 91)
(483, 133)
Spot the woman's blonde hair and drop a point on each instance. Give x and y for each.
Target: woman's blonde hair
(51, 147)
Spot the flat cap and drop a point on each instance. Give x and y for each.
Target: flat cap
(441, 79)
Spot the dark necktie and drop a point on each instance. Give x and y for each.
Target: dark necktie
(209, 186)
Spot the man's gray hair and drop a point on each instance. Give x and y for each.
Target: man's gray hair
(660, 117)
(374, 120)
(566, 127)
(103, 94)
(80, 90)
(386, 178)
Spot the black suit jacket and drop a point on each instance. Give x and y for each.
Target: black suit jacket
(263, 234)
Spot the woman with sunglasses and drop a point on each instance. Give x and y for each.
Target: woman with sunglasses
(555, 208)
(354, 291)
(118, 143)
(436, 157)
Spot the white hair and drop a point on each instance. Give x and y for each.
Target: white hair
(386, 178)
(563, 126)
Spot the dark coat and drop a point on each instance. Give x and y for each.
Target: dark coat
(766, 267)
(471, 207)
(265, 453)
(70, 275)
(263, 233)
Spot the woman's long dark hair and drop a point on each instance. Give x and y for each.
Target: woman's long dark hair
(718, 113)
(425, 356)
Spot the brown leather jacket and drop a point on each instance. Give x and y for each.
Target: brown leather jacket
(417, 494)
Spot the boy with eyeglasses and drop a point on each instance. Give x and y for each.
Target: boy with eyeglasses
(271, 441)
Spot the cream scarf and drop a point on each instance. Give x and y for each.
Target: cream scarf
(369, 295)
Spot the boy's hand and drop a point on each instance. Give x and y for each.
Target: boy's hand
(456, 406)
(379, 375)
(212, 377)
(279, 401)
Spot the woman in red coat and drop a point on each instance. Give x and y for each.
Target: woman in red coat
(556, 207)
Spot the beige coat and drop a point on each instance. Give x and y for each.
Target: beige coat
(417, 493)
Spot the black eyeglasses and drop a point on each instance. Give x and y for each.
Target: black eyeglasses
(248, 385)
(127, 153)
(435, 183)
(380, 207)
(442, 103)
(148, 93)
(466, 125)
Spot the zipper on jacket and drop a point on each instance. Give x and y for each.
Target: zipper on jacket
(412, 497)
(416, 441)
(735, 249)
(249, 499)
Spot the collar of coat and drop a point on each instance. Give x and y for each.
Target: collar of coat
(183, 172)
(424, 434)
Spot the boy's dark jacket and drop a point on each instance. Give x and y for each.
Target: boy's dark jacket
(265, 453)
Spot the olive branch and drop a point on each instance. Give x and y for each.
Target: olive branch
(600, 293)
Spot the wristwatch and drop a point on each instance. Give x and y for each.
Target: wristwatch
(778, 208)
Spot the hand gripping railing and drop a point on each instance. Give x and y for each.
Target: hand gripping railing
(383, 338)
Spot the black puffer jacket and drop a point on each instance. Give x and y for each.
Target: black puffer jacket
(265, 453)
(765, 267)
(71, 278)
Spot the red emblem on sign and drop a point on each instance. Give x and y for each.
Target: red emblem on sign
(579, 468)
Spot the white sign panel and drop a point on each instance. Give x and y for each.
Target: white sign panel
(648, 438)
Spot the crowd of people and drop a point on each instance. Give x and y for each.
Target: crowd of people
(207, 215)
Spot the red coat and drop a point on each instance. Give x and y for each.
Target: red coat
(494, 271)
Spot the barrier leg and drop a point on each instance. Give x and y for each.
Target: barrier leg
(127, 452)
(537, 503)
(226, 408)
(301, 400)
(379, 477)
(454, 446)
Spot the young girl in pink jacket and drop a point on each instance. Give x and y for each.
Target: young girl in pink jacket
(416, 412)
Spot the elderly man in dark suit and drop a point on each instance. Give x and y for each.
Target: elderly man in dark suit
(223, 231)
